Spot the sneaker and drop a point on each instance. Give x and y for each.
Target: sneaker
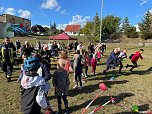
(75, 87)
(59, 112)
(67, 111)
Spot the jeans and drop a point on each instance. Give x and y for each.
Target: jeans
(64, 97)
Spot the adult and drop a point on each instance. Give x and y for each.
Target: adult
(26, 49)
(91, 47)
(8, 53)
(80, 46)
(17, 45)
(75, 45)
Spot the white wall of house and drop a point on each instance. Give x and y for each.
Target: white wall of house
(72, 33)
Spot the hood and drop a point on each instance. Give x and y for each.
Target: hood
(29, 82)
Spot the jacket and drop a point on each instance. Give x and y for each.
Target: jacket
(113, 59)
(61, 82)
(136, 56)
(33, 94)
(8, 52)
(93, 62)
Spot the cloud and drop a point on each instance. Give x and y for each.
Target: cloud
(51, 4)
(150, 11)
(143, 2)
(77, 19)
(2, 9)
(10, 11)
(61, 26)
(63, 12)
(24, 13)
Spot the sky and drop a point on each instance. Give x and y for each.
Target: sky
(63, 12)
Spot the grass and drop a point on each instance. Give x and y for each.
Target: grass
(128, 89)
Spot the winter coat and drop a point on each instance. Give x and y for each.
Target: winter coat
(113, 59)
(122, 55)
(33, 95)
(136, 56)
(93, 62)
(61, 82)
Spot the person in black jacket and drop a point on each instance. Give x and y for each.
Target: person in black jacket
(8, 52)
(44, 72)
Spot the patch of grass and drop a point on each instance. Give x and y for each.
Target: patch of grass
(128, 89)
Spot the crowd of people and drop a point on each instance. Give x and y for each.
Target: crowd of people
(35, 72)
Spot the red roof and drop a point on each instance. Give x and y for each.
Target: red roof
(62, 36)
(72, 28)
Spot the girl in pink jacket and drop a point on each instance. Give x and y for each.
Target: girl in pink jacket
(93, 64)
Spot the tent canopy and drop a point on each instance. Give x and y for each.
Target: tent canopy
(62, 36)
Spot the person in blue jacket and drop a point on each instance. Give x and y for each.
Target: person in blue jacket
(112, 61)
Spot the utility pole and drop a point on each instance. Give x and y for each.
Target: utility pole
(102, 4)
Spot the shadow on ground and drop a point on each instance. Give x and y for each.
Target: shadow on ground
(101, 100)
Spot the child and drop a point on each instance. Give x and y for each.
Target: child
(86, 63)
(112, 61)
(64, 56)
(61, 83)
(121, 56)
(33, 87)
(135, 58)
(98, 53)
(44, 72)
(78, 64)
(93, 64)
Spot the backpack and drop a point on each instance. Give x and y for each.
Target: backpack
(130, 57)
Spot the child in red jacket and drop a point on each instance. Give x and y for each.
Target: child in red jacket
(93, 64)
(135, 58)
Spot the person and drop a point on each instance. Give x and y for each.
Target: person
(8, 52)
(86, 63)
(64, 56)
(93, 64)
(103, 47)
(80, 46)
(78, 65)
(91, 47)
(112, 61)
(26, 49)
(99, 54)
(61, 83)
(44, 71)
(135, 58)
(122, 56)
(75, 45)
(18, 45)
(33, 89)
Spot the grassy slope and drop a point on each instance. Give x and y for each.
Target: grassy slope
(129, 89)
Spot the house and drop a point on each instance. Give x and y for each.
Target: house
(7, 18)
(11, 26)
(73, 30)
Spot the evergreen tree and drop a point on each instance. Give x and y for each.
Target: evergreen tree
(96, 24)
(146, 26)
(125, 24)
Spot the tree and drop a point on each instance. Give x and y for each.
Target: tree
(96, 24)
(146, 26)
(130, 32)
(87, 30)
(125, 24)
(111, 27)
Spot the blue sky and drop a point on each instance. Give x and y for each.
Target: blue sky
(64, 12)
